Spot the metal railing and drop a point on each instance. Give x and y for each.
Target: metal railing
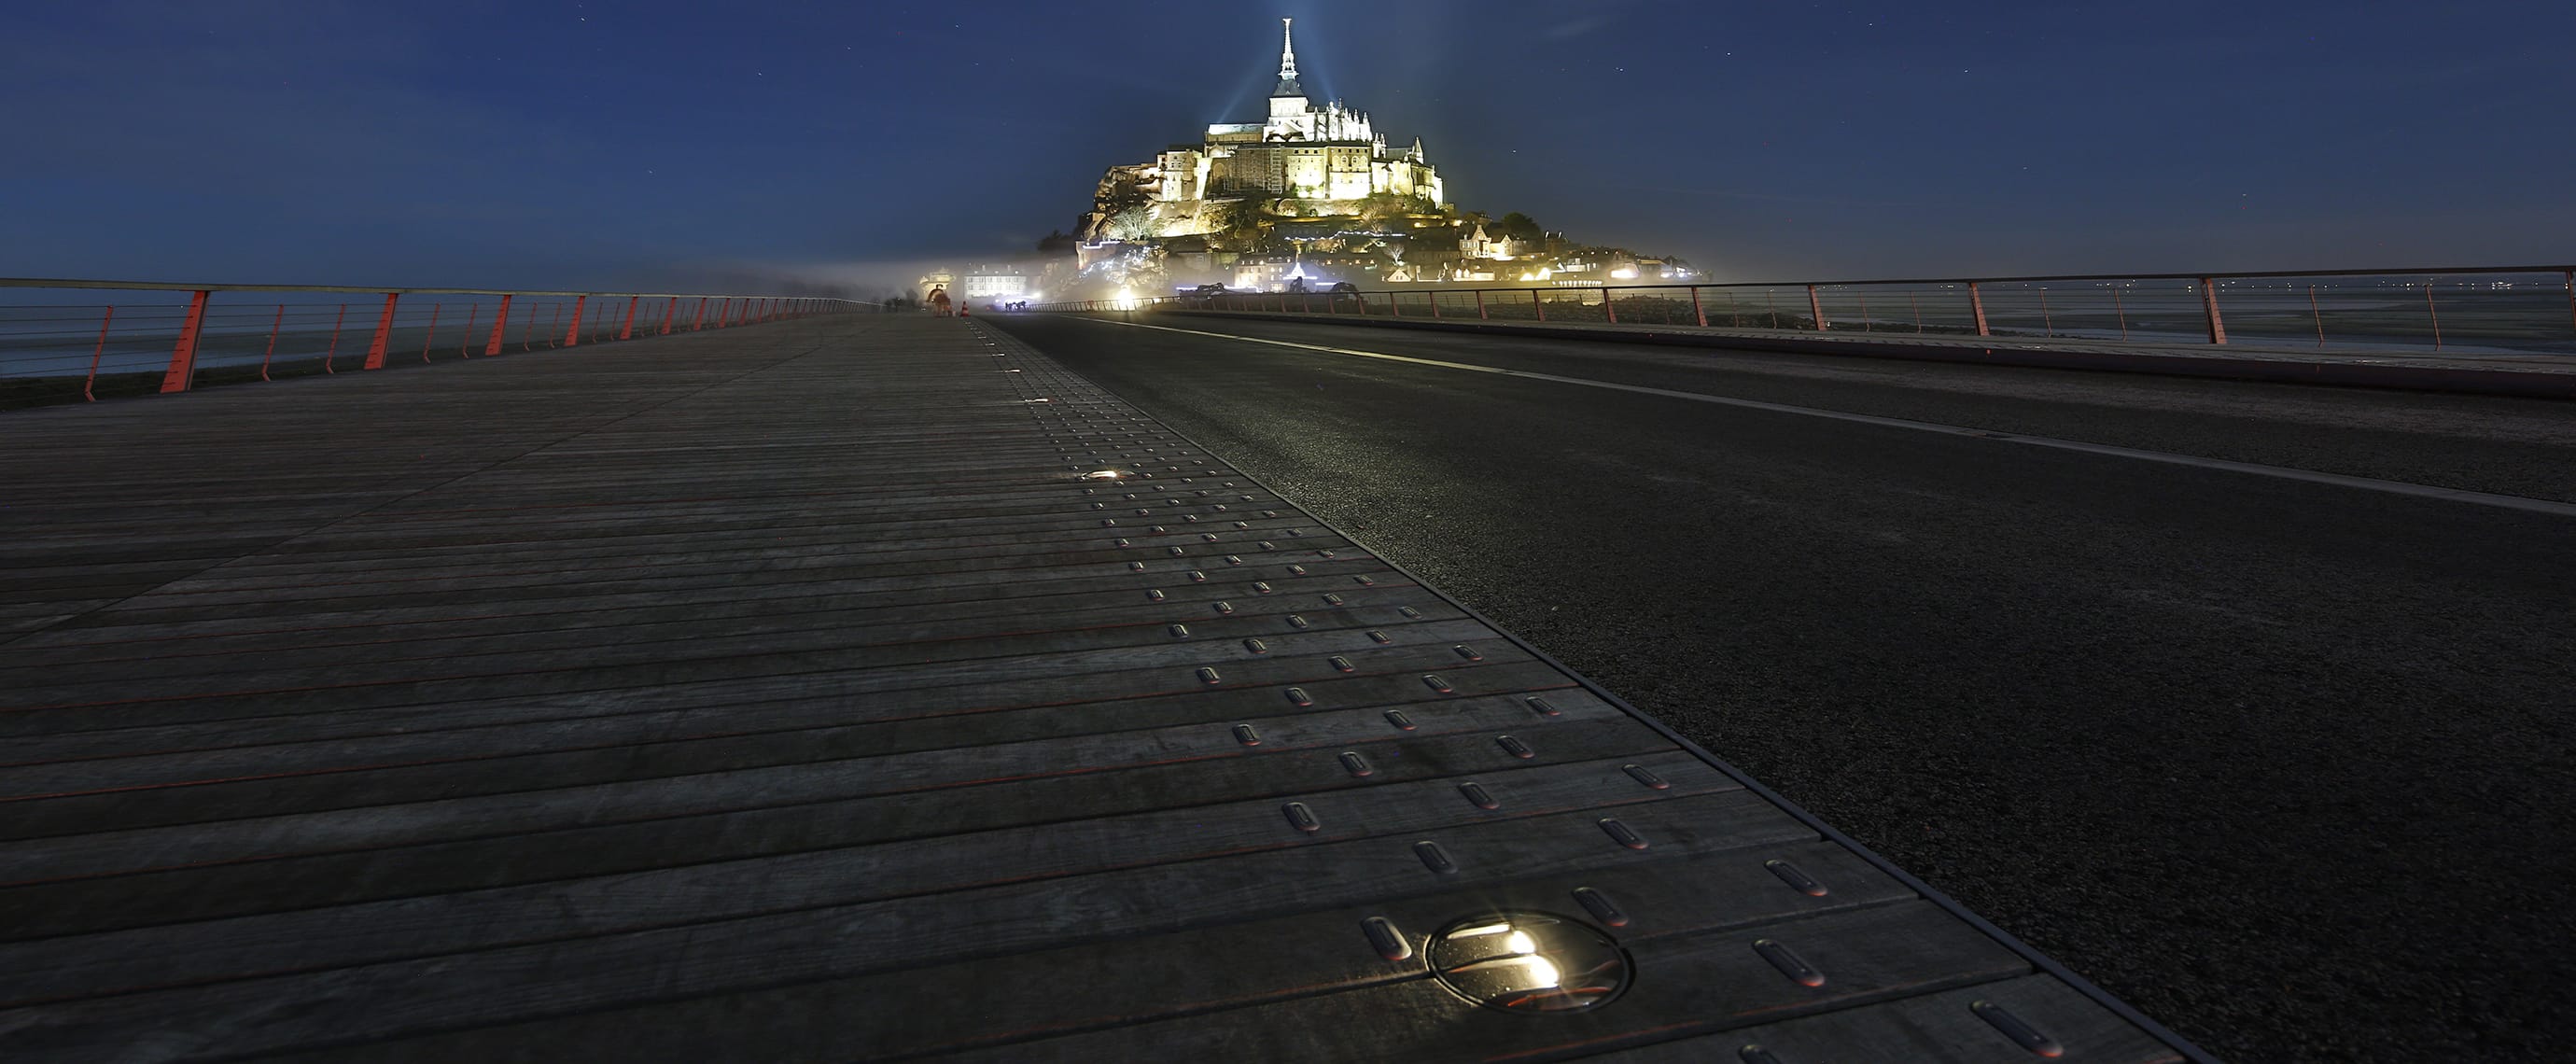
(146, 337)
(2457, 310)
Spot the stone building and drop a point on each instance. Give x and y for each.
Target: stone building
(1328, 154)
(998, 281)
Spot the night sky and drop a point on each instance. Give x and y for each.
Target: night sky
(537, 142)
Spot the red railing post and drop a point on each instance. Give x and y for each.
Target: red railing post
(432, 338)
(183, 358)
(95, 352)
(1434, 298)
(334, 352)
(572, 336)
(1696, 312)
(668, 313)
(272, 341)
(1608, 307)
(627, 330)
(2209, 306)
(1816, 306)
(1977, 307)
(2119, 306)
(1392, 306)
(500, 321)
(701, 322)
(1480, 304)
(384, 332)
(473, 313)
(2318, 315)
(724, 312)
(1538, 305)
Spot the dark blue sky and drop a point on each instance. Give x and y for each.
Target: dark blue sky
(545, 142)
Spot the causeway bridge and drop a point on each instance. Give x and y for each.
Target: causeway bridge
(1141, 683)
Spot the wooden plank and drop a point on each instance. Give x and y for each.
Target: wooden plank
(349, 935)
(980, 560)
(955, 573)
(655, 713)
(978, 590)
(199, 841)
(767, 542)
(899, 644)
(417, 867)
(873, 623)
(521, 982)
(1131, 981)
(1026, 680)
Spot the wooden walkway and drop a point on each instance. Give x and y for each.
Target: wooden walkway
(853, 688)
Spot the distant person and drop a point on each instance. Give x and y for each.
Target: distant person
(939, 302)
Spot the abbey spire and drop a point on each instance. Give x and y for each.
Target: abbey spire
(1287, 62)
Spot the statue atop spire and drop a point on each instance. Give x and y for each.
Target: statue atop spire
(1287, 62)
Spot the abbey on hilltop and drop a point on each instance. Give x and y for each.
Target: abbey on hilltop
(1310, 194)
(1300, 152)
(1320, 160)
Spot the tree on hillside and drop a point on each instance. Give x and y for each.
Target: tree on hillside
(1130, 224)
(1239, 221)
(1385, 206)
(1517, 226)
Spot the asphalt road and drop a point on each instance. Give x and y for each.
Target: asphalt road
(2286, 765)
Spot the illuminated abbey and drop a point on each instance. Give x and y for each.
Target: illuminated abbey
(1327, 158)
(1300, 152)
